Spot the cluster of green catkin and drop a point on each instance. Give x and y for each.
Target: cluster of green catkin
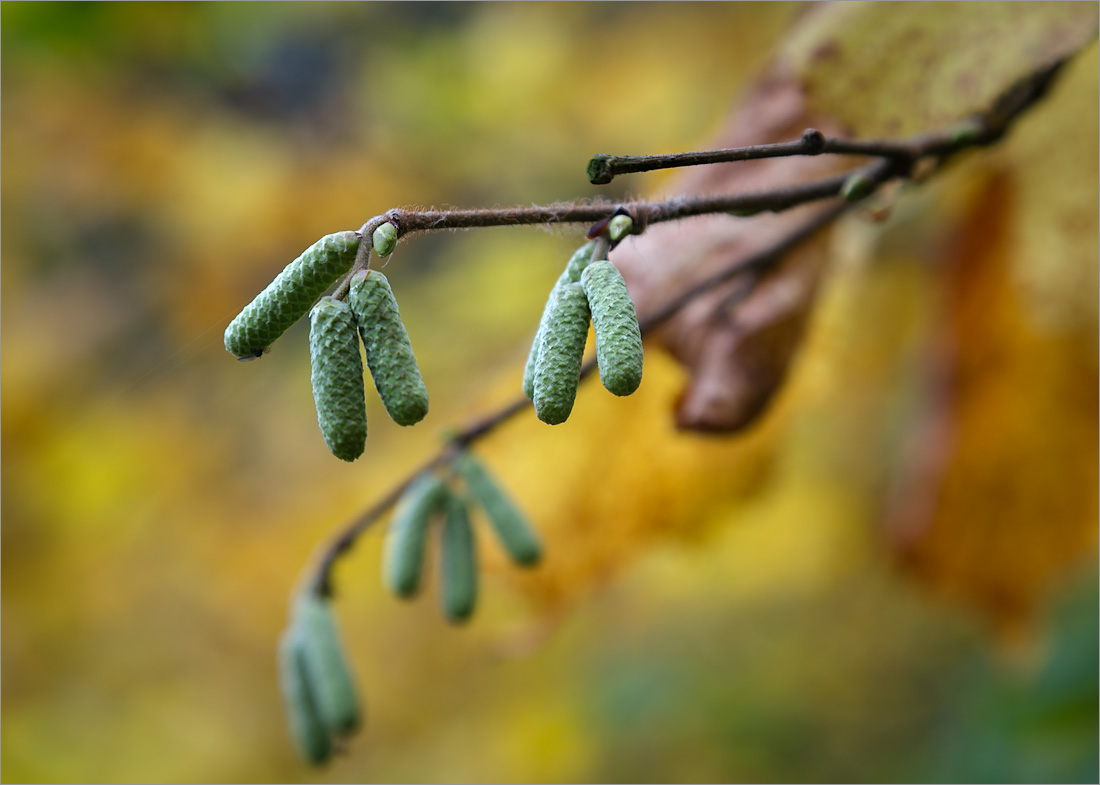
(318, 690)
(587, 291)
(369, 313)
(431, 499)
(319, 694)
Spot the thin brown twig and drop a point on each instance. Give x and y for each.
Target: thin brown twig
(603, 168)
(982, 129)
(642, 212)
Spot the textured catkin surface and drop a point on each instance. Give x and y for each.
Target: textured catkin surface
(309, 733)
(388, 348)
(458, 562)
(571, 274)
(618, 339)
(404, 551)
(338, 379)
(512, 528)
(561, 351)
(288, 298)
(326, 668)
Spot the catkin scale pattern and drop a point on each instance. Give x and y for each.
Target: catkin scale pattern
(337, 377)
(561, 351)
(510, 525)
(288, 298)
(388, 348)
(408, 530)
(615, 324)
(572, 273)
(533, 356)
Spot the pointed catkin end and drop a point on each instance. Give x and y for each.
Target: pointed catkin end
(553, 412)
(412, 407)
(622, 380)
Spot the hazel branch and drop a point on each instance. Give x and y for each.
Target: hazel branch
(599, 211)
(982, 129)
(321, 581)
(603, 168)
(896, 159)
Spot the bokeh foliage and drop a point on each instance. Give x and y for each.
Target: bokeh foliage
(710, 609)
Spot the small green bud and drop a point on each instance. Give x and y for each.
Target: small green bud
(561, 352)
(618, 338)
(458, 562)
(515, 534)
(289, 297)
(311, 738)
(967, 132)
(856, 187)
(325, 667)
(620, 227)
(388, 348)
(404, 551)
(385, 239)
(337, 377)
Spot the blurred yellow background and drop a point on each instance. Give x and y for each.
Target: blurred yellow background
(711, 609)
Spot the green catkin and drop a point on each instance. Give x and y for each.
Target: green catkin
(573, 268)
(311, 738)
(515, 534)
(326, 669)
(337, 378)
(561, 351)
(458, 562)
(404, 550)
(389, 351)
(618, 338)
(288, 298)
